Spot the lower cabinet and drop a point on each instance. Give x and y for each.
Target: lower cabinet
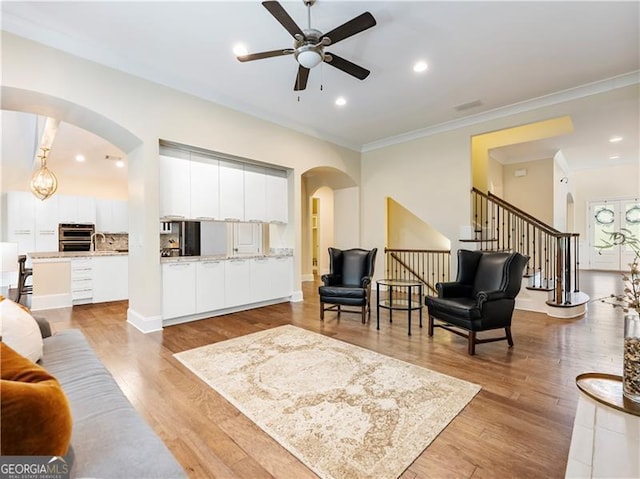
(195, 287)
(178, 289)
(237, 282)
(210, 285)
(82, 280)
(110, 278)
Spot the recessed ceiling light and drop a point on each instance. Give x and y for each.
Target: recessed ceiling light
(240, 50)
(420, 67)
(120, 164)
(341, 101)
(80, 158)
(615, 139)
(614, 157)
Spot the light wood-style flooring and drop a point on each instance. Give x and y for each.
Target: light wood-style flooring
(519, 425)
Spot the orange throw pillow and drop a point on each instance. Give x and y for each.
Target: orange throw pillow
(35, 415)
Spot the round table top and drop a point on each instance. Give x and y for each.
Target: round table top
(398, 282)
(607, 389)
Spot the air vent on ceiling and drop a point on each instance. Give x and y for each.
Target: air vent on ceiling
(468, 106)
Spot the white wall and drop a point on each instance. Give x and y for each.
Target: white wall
(96, 98)
(346, 218)
(562, 188)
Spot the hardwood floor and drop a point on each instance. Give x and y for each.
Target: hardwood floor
(519, 425)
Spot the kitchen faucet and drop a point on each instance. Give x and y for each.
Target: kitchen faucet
(93, 240)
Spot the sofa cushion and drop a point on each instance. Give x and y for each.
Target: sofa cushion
(19, 330)
(36, 419)
(110, 439)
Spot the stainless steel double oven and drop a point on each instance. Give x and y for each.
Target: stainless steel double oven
(75, 237)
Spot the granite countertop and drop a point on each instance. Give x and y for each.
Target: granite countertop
(75, 254)
(220, 257)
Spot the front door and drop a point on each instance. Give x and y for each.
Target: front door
(606, 217)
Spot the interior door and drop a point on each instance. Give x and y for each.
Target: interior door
(629, 219)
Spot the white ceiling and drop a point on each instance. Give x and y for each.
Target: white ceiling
(500, 53)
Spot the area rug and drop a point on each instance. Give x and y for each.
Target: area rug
(344, 411)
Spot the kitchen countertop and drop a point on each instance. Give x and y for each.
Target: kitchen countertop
(75, 254)
(220, 257)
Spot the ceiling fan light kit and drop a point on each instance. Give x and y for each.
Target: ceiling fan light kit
(309, 44)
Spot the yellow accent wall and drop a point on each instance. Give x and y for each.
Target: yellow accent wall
(407, 231)
(481, 144)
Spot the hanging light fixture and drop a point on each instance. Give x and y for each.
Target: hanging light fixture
(44, 183)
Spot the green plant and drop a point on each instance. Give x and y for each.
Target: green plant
(630, 297)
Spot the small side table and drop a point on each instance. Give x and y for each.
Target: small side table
(399, 304)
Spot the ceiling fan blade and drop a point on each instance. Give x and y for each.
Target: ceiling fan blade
(259, 56)
(353, 26)
(301, 79)
(283, 17)
(346, 66)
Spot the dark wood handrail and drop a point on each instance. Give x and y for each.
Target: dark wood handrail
(404, 250)
(515, 210)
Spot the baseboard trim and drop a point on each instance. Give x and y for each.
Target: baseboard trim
(51, 301)
(144, 324)
(296, 297)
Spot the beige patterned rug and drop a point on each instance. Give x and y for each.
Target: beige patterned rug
(344, 411)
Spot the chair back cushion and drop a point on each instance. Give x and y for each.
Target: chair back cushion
(467, 266)
(500, 272)
(356, 264)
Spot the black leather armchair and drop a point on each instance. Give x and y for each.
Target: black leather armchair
(481, 298)
(349, 281)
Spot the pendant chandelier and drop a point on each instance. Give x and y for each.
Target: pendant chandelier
(44, 183)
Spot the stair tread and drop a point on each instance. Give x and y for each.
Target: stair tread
(576, 299)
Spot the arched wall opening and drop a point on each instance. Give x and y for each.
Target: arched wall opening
(330, 217)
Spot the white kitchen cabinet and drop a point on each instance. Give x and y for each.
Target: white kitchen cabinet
(261, 279)
(281, 282)
(76, 209)
(255, 193)
(21, 220)
(110, 278)
(112, 216)
(277, 195)
(231, 191)
(204, 192)
(174, 187)
(210, 285)
(237, 282)
(178, 289)
(81, 280)
(46, 224)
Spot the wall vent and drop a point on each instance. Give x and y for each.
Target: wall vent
(468, 105)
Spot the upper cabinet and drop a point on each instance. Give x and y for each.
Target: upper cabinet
(277, 196)
(231, 191)
(255, 193)
(204, 196)
(175, 183)
(112, 216)
(76, 209)
(199, 187)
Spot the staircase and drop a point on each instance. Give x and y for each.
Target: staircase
(552, 279)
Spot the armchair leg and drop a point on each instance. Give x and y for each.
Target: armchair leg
(321, 311)
(430, 325)
(364, 313)
(509, 338)
(472, 343)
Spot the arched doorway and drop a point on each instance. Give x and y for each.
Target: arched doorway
(330, 217)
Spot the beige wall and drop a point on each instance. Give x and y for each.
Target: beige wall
(346, 216)
(325, 197)
(99, 99)
(532, 193)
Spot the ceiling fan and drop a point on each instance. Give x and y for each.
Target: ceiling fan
(309, 44)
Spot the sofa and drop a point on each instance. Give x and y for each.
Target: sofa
(109, 439)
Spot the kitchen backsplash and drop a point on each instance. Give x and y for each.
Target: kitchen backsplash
(113, 242)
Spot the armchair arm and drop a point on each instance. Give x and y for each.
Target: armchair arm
(453, 289)
(331, 279)
(484, 296)
(365, 281)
